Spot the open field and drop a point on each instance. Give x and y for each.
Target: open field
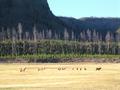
(50, 78)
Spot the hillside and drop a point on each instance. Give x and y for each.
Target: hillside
(99, 24)
(37, 12)
(28, 13)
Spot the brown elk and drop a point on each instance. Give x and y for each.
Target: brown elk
(59, 69)
(63, 68)
(98, 68)
(40, 69)
(72, 68)
(77, 68)
(85, 68)
(23, 69)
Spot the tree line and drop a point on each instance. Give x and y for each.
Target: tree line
(14, 41)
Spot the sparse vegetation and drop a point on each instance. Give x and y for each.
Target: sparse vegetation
(69, 77)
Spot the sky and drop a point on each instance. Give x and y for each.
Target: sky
(85, 8)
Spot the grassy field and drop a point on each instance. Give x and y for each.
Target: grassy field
(53, 79)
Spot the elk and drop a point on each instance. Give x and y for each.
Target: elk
(98, 68)
(23, 69)
(40, 69)
(77, 68)
(63, 68)
(80, 68)
(85, 68)
(59, 69)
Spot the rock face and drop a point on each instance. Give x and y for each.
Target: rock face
(27, 12)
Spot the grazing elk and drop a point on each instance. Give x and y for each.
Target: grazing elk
(63, 68)
(77, 68)
(59, 69)
(80, 69)
(23, 69)
(40, 69)
(72, 68)
(85, 69)
(98, 68)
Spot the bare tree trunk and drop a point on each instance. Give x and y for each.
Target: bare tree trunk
(13, 42)
(35, 42)
(20, 31)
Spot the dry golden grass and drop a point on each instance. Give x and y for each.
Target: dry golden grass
(52, 79)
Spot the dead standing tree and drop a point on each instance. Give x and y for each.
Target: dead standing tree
(14, 42)
(35, 41)
(20, 31)
(108, 38)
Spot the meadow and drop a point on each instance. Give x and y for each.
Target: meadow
(52, 77)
